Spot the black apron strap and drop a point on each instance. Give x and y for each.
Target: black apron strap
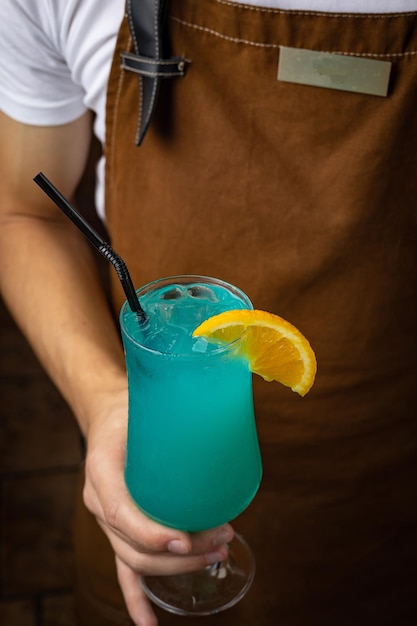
(146, 19)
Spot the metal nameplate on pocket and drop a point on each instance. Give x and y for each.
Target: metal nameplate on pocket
(334, 71)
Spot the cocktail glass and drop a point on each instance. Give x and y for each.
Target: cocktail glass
(192, 459)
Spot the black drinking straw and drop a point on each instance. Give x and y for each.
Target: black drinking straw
(98, 242)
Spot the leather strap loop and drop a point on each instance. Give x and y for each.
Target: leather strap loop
(166, 68)
(146, 19)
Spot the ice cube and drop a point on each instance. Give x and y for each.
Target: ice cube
(203, 293)
(200, 345)
(173, 294)
(163, 310)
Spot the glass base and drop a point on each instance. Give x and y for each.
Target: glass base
(211, 590)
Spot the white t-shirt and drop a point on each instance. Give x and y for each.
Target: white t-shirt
(55, 55)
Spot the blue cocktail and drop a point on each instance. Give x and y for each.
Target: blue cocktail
(193, 459)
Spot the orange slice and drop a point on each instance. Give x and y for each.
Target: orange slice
(275, 349)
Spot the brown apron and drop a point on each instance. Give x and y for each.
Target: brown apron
(306, 199)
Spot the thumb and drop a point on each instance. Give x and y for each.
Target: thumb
(137, 603)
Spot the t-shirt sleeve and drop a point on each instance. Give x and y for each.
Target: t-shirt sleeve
(36, 86)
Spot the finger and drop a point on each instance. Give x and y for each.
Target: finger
(208, 540)
(149, 536)
(122, 518)
(129, 523)
(138, 605)
(147, 564)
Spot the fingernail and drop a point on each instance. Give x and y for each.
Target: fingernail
(178, 547)
(223, 535)
(215, 557)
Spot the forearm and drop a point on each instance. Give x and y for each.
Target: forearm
(48, 275)
(66, 317)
